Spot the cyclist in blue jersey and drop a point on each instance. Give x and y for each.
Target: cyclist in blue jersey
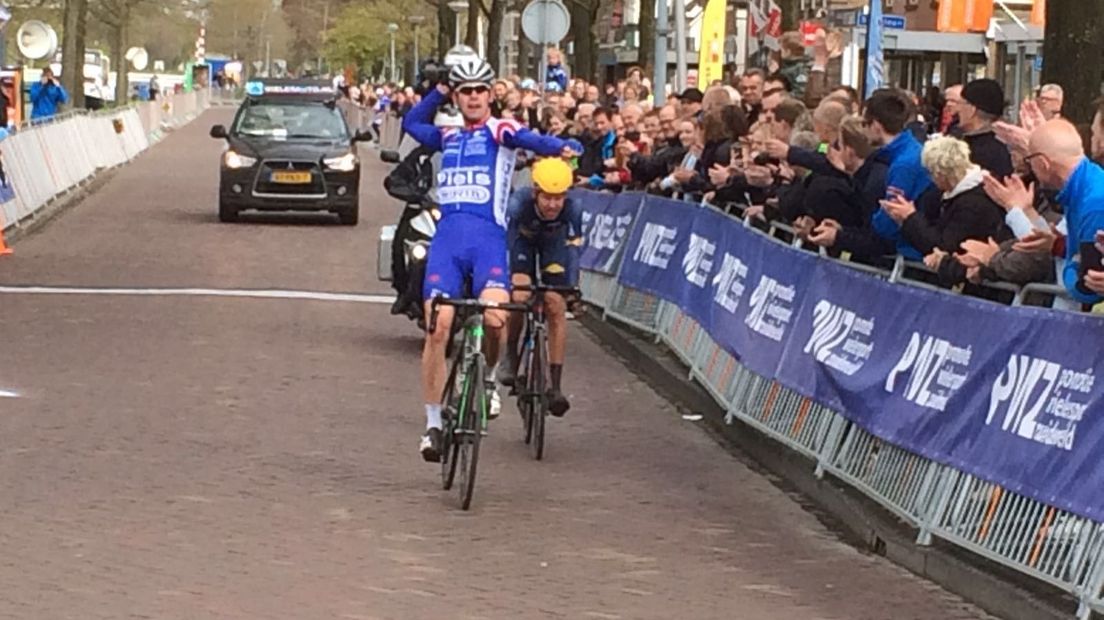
(473, 185)
(544, 235)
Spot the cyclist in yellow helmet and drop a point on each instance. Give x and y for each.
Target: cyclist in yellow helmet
(544, 234)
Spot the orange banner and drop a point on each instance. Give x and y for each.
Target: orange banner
(951, 16)
(964, 15)
(1038, 13)
(978, 14)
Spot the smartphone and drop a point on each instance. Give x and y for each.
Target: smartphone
(1091, 259)
(690, 161)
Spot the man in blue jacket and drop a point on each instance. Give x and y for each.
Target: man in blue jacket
(1057, 159)
(886, 116)
(46, 95)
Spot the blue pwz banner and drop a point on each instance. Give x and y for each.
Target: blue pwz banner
(607, 221)
(995, 391)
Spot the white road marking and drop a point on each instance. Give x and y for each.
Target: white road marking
(200, 292)
(7, 394)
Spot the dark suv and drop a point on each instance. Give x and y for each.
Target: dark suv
(289, 149)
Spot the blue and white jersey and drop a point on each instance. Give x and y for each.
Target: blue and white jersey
(477, 165)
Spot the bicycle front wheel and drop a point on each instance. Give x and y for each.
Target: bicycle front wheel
(451, 403)
(470, 429)
(538, 395)
(524, 400)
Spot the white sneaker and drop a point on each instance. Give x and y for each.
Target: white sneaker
(496, 404)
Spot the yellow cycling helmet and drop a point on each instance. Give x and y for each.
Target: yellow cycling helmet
(552, 175)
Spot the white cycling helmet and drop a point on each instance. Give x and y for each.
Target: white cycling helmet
(471, 71)
(459, 53)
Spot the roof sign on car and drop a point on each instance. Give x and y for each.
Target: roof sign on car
(258, 88)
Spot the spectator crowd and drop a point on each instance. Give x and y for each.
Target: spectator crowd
(944, 179)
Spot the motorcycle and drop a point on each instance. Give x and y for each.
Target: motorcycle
(404, 247)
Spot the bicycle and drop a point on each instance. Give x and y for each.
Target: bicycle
(465, 402)
(533, 368)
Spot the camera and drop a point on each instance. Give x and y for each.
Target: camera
(632, 136)
(764, 159)
(430, 76)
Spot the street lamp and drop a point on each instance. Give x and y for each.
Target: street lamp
(416, 20)
(458, 7)
(392, 28)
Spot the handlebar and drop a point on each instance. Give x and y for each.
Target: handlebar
(478, 305)
(545, 288)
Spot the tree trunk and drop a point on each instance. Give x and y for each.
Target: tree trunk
(495, 41)
(791, 14)
(1072, 51)
(72, 51)
(647, 26)
(118, 51)
(584, 14)
(471, 38)
(446, 32)
(523, 56)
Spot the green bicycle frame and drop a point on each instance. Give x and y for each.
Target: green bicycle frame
(475, 333)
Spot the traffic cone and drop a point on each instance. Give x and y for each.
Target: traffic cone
(4, 249)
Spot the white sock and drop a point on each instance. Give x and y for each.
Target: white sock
(491, 376)
(433, 416)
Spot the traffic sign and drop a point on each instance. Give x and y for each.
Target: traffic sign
(894, 22)
(545, 22)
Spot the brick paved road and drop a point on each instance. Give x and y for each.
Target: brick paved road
(233, 458)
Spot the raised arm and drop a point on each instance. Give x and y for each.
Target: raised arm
(418, 122)
(511, 135)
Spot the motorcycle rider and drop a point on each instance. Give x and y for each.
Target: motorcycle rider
(472, 190)
(545, 232)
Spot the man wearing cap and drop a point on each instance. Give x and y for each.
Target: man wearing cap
(982, 105)
(691, 103)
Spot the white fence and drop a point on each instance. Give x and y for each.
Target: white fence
(45, 161)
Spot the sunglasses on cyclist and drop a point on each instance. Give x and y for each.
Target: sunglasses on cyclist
(468, 91)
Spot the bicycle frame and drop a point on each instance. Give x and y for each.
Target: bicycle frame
(462, 434)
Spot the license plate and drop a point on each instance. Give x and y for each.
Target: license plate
(291, 177)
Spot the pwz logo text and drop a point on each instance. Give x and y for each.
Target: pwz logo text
(656, 245)
(1041, 400)
(840, 338)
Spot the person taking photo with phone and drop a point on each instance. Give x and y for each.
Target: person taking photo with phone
(47, 95)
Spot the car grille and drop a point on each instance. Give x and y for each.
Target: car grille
(263, 184)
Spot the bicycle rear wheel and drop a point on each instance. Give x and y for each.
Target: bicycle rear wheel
(469, 432)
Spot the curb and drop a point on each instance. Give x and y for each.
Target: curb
(857, 519)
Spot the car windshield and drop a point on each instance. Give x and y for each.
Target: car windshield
(291, 121)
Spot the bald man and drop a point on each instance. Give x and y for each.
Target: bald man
(1057, 160)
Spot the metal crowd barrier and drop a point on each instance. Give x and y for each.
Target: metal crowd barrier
(1044, 542)
(46, 160)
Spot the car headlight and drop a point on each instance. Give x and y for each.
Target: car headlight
(436, 213)
(235, 160)
(419, 252)
(344, 163)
